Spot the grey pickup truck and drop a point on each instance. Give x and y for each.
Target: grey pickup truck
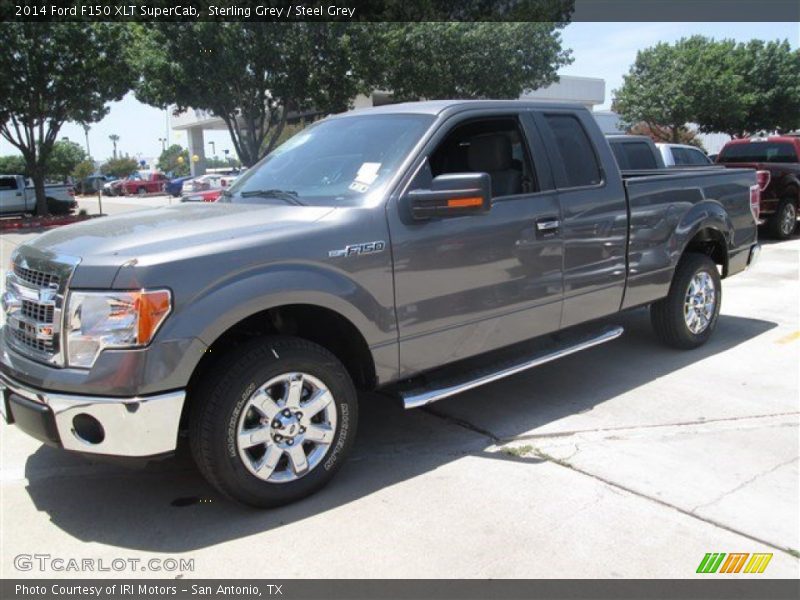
(417, 249)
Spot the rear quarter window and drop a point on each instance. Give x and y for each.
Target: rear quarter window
(575, 150)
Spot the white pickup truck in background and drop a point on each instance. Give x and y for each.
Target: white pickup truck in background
(16, 196)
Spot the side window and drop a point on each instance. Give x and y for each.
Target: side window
(697, 158)
(8, 183)
(680, 156)
(575, 150)
(618, 149)
(495, 146)
(640, 156)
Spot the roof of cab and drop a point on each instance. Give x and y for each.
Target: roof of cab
(436, 107)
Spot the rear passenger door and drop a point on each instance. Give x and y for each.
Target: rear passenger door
(594, 221)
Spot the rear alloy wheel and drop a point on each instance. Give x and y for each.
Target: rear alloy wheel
(273, 421)
(141, 191)
(686, 318)
(784, 221)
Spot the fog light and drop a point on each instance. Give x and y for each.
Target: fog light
(88, 429)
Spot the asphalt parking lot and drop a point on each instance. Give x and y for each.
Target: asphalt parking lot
(627, 460)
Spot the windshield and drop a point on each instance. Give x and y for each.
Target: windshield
(337, 162)
(756, 152)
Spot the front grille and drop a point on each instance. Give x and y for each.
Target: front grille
(34, 301)
(37, 278)
(22, 335)
(42, 313)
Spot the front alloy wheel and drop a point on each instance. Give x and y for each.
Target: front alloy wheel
(286, 427)
(273, 420)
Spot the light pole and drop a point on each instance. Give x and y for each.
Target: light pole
(86, 133)
(213, 149)
(163, 143)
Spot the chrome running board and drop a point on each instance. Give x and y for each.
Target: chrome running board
(438, 390)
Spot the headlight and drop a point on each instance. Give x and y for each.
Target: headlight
(100, 320)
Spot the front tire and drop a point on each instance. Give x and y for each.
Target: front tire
(274, 421)
(687, 317)
(784, 221)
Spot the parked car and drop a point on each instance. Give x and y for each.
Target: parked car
(175, 185)
(683, 155)
(635, 152)
(144, 182)
(18, 196)
(92, 184)
(210, 181)
(113, 188)
(378, 253)
(203, 196)
(777, 157)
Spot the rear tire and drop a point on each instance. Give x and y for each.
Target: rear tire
(687, 317)
(141, 191)
(249, 436)
(784, 221)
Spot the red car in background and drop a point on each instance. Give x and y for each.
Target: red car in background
(144, 183)
(203, 196)
(776, 159)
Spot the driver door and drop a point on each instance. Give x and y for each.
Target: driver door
(470, 284)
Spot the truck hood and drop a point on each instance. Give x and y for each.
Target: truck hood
(164, 233)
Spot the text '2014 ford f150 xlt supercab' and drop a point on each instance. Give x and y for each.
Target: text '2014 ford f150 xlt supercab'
(421, 249)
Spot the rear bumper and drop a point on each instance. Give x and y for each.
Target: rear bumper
(129, 427)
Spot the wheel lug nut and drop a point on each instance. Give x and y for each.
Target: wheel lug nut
(299, 415)
(302, 430)
(290, 441)
(287, 413)
(278, 438)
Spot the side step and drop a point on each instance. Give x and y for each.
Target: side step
(438, 390)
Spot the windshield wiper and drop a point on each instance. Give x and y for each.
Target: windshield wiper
(288, 196)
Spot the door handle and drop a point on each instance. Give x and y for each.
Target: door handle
(548, 225)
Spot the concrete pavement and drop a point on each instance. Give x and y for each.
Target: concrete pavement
(627, 460)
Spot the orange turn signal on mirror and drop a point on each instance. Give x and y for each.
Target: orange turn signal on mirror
(465, 202)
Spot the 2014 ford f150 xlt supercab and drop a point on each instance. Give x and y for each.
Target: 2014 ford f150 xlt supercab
(421, 249)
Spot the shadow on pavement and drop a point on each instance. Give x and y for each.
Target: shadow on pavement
(168, 507)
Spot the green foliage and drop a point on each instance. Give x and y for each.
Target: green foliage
(119, 167)
(467, 60)
(83, 170)
(250, 74)
(13, 164)
(169, 161)
(720, 85)
(255, 75)
(221, 163)
(52, 73)
(64, 157)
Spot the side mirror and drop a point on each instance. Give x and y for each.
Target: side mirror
(451, 195)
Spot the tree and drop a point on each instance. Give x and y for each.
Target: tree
(83, 170)
(252, 75)
(738, 89)
(468, 60)
(64, 157)
(13, 164)
(669, 86)
(54, 73)
(771, 83)
(114, 139)
(661, 134)
(169, 161)
(120, 167)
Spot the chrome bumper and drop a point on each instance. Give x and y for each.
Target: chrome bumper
(132, 427)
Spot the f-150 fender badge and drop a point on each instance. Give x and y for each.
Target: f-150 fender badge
(359, 249)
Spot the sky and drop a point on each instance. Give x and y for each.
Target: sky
(603, 50)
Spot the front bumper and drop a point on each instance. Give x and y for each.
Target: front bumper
(130, 427)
